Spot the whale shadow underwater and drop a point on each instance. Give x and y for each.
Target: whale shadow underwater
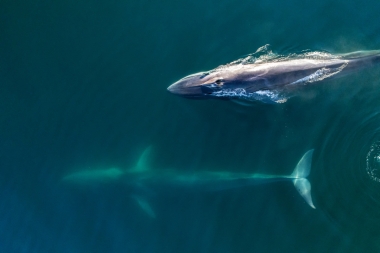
(142, 180)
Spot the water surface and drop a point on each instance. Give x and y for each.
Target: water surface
(83, 85)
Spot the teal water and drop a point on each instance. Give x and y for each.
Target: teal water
(83, 86)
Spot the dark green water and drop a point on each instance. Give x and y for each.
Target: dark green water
(83, 85)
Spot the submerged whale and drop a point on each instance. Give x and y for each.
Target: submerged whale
(143, 180)
(270, 79)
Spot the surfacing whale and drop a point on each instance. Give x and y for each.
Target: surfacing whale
(269, 78)
(143, 181)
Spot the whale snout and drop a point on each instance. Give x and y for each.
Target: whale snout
(177, 88)
(181, 89)
(189, 86)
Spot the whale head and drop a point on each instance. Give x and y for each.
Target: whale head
(199, 85)
(224, 82)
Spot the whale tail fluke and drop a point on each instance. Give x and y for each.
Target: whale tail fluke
(300, 174)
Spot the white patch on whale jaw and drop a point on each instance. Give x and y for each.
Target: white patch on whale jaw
(265, 96)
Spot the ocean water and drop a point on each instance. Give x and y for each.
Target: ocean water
(83, 87)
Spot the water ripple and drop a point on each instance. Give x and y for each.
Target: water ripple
(349, 177)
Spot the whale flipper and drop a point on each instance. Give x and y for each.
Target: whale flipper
(304, 165)
(145, 206)
(303, 187)
(300, 181)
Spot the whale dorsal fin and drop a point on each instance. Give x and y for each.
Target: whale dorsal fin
(143, 162)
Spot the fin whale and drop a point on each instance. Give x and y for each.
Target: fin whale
(271, 80)
(143, 180)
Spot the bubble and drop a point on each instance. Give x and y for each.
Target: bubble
(373, 162)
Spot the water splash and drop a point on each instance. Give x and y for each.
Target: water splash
(264, 54)
(320, 74)
(265, 96)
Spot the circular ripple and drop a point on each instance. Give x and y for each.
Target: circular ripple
(348, 181)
